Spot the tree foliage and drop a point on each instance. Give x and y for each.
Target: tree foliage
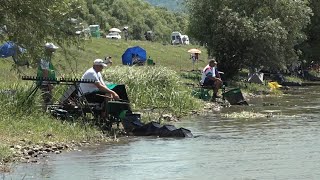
(138, 15)
(250, 33)
(175, 5)
(31, 23)
(311, 47)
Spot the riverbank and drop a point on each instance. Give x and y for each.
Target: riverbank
(27, 132)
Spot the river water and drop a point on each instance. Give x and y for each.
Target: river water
(284, 145)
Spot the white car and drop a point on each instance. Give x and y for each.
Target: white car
(113, 35)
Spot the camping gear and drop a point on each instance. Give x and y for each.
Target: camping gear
(137, 51)
(9, 49)
(155, 129)
(120, 89)
(234, 97)
(274, 85)
(95, 30)
(256, 78)
(114, 108)
(150, 61)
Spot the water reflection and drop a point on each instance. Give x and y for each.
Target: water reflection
(282, 146)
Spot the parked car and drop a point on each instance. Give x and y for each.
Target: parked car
(176, 38)
(113, 35)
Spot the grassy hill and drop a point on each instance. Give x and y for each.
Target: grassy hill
(158, 86)
(74, 61)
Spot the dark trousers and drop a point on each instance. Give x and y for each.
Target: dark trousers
(208, 82)
(94, 97)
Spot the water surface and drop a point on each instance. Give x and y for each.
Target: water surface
(284, 146)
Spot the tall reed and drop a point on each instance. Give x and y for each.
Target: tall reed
(153, 87)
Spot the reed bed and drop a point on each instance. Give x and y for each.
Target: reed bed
(154, 87)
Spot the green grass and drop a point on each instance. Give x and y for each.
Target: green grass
(173, 57)
(315, 73)
(5, 153)
(293, 79)
(148, 87)
(154, 87)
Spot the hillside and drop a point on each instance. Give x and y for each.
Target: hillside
(139, 16)
(77, 61)
(175, 5)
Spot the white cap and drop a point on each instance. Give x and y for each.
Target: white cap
(99, 62)
(50, 46)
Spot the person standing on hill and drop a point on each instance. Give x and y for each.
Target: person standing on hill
(211, 77)
(47, 71)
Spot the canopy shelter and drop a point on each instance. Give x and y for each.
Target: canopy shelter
(133, 54)
(9, 49)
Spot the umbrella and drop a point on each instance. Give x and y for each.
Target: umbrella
(194, 51)
(130, 52)
(114, 30)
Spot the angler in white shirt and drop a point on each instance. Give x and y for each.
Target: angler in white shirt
(96, 92)
(211, 77)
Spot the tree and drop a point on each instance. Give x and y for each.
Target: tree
(139, 16)
(249, 33)
(31, 23)
(311, 47)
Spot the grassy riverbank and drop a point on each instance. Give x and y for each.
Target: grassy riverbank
(166, 87)
(156, 87)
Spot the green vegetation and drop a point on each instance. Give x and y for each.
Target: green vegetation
(315, 73)
(5, 153)
(155, 87)
(250, 34)
(252, 87)
(240, 34)
(148, 87)
(311, 47)
(293, 79)
(138, 15)
(174, 5)
(31, 23)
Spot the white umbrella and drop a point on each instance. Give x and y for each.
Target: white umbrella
(114, 30)
(194, 51)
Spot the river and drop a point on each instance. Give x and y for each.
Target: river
(284, 145)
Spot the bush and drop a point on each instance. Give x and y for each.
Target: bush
(155, 86)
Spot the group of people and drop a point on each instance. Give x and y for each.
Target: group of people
(98, 91)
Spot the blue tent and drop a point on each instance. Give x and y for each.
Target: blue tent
(134, 51)
(9, 49)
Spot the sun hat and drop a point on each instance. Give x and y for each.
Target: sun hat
(99, 62)
(51, 46)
